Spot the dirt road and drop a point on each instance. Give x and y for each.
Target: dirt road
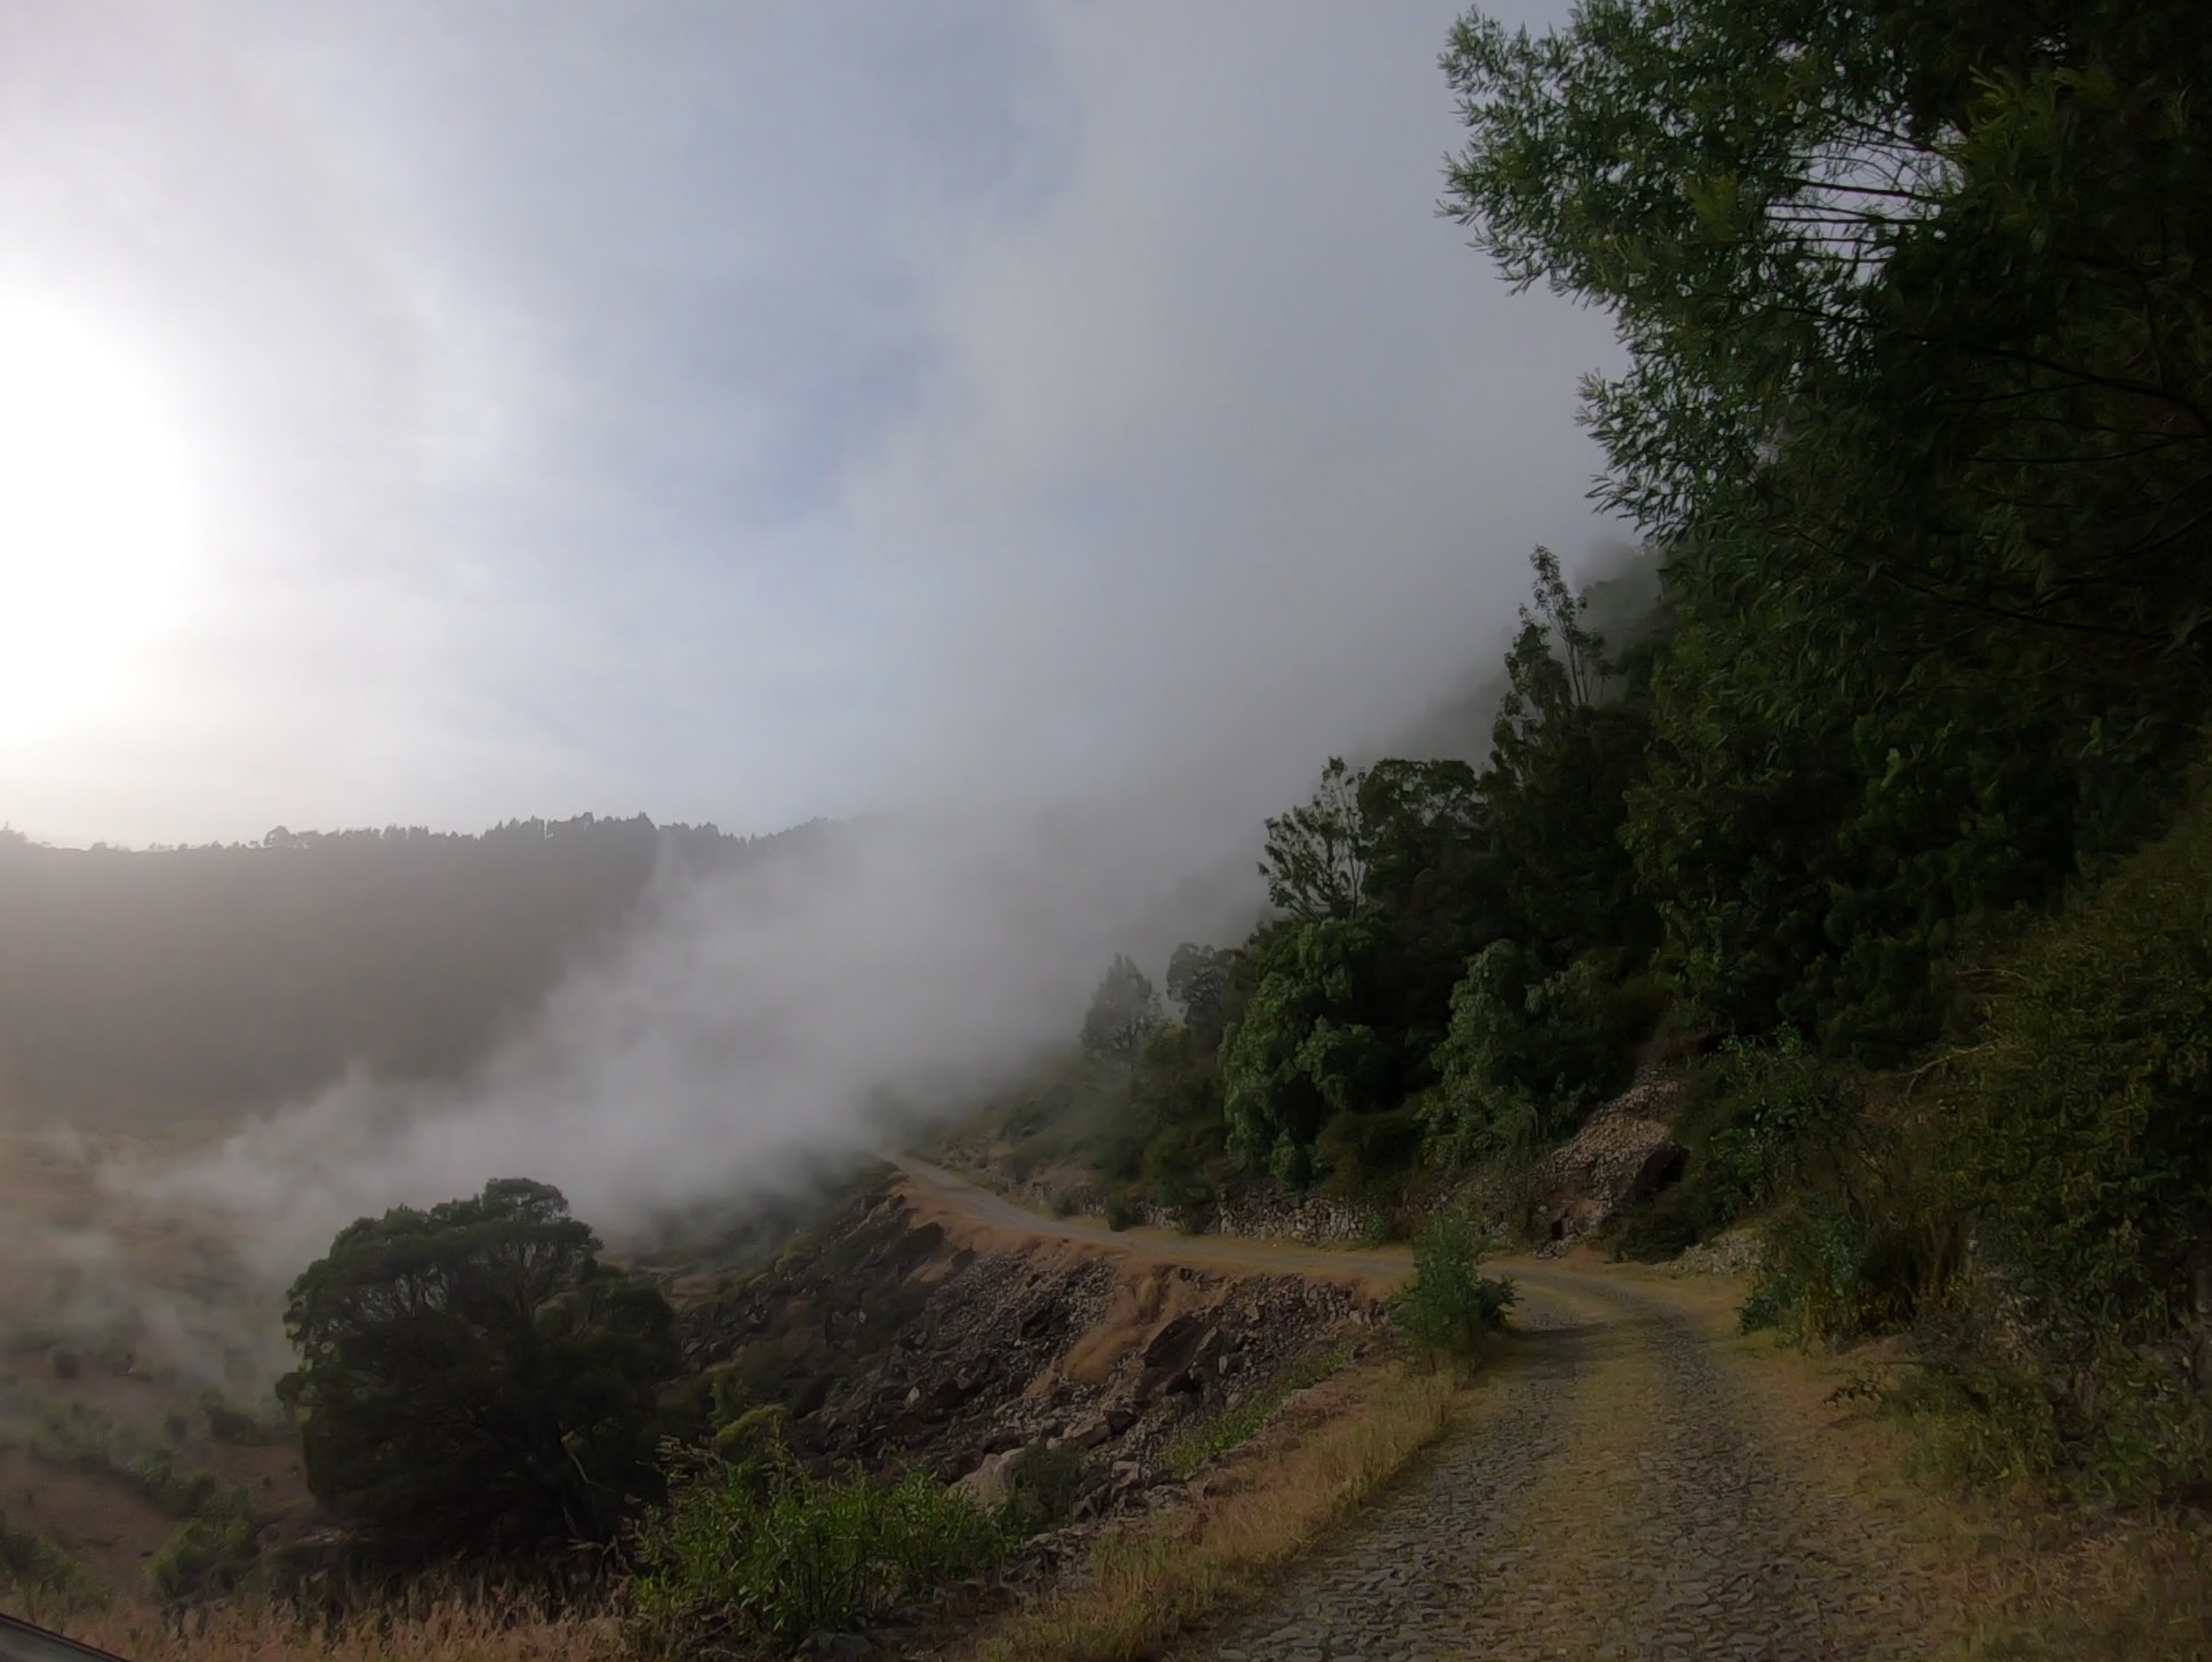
(931, 1185)
(1631, 1484)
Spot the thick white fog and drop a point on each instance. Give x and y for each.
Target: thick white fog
(1042, 432)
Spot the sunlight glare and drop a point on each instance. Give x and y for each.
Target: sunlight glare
(96, 517)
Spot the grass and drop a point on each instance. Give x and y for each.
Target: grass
(450, 1630)
(2047, 1586)
(1217, 1433)
(1160, 1576)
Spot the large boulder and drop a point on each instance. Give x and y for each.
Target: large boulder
(992, 1480)
(1626, 1152)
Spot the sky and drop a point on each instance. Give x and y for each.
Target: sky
(432, 413)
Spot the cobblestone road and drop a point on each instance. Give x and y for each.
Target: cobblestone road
(1620, 1493)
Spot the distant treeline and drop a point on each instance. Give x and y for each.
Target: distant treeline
(138, 986)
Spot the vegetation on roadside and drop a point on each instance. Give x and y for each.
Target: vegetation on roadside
(754, 1552)
(1450, 1308)
(212, 1547)
(1215, 1435)
(1153, 1578)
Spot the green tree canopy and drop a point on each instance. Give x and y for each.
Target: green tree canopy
(1302, 1051)
(1918, 304)
(473, 1381)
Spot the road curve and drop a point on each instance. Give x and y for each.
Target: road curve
(932, 1187)
(1629, 1484)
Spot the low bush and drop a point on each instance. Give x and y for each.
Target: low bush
(38, 1572)
(753, 1552)
(1367, 1155)
(227, 1424)
(1451, 1308)
(1045, 1485)
(209, 1554)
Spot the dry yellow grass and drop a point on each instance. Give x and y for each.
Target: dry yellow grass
(453, 1631)
(2060, 1587)
(1157, 1577)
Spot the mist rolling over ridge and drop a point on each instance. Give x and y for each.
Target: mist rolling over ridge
(1050, 515)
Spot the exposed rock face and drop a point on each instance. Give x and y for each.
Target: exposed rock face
(890, 1347)
(1626, 1152)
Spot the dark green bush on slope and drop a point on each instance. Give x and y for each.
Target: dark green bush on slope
(37, 1574)
(1757, 1121)
(2081, 1145)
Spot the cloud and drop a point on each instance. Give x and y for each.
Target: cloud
(1051, 429)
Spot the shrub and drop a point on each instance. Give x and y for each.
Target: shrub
(1450, 1308)
(1120, 1210)
(1217, 1433)
(1835, 1265)
(1045, 1484)
(2082, 1117)
(1175, 1165)
(67, 1364)
(752, 1552)
(209, 1554)
(1364, 1156)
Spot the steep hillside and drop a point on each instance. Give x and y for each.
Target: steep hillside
(136, 986)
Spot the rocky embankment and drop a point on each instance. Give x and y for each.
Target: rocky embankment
(890, 1343)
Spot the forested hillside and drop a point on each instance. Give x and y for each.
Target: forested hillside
(136, 985)
(1877, 834)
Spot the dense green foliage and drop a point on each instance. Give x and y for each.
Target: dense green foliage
(753, 1551)
(211, 1551)
(474, 1382)
(1917, 302)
